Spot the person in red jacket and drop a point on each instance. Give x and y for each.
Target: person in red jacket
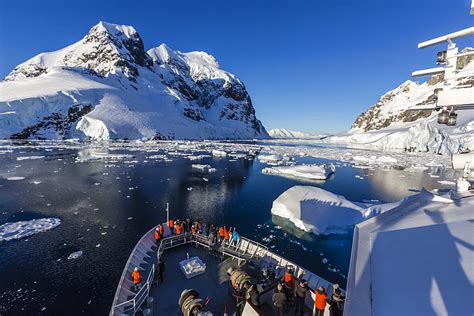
(320, 301)
(171, 226)
(226, 235)
(157, 235)
(137, 278)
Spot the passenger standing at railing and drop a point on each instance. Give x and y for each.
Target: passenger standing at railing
(161, 229)
(337, 302)
(179, 228)
(301, 290)
(221, 233)
(193, 229)
(227, 235)
(235, 237)
(137, 279)
(279, 300)
(171, 226)
(157, 235)
(208, 230)
(214, 234)
(320, 301)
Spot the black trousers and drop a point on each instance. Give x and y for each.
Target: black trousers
(299, 309)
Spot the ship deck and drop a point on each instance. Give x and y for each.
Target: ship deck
(212, 285)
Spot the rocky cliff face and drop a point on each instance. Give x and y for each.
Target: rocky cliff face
(107, 86)
(387, 125)
(391, 108)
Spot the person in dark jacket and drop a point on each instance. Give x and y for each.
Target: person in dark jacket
(253, 296)
(279, 300)
(301, 290)
(161, 270)
(337, 303)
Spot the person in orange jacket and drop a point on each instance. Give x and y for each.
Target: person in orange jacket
(320, 301)
(179, 228)
(171, 226)
(157, 235)
(137, 278)
(221, 233)
(227, 235)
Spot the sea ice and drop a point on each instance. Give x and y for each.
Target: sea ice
(311, 172)
(15, 178)
(218, 153)
(75, 255)
(17, 230)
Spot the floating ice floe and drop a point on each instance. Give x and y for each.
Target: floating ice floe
(17, 230)
(374, 160)
(218, 153)
(203, 168)
(15, 178)
(75, 255)
(273, 159)
(311, 172)
(315, 210)
(29, 158)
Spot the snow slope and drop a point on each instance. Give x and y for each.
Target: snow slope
(316, 210)
(282, 133)
(106, 86)
(388, 126)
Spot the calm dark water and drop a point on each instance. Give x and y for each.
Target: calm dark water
(105, 207)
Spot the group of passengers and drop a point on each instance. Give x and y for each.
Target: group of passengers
(292, 292)
(215, 234)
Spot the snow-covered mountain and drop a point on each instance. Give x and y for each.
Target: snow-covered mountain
(282, 133)
(106, 86)
(388, 125)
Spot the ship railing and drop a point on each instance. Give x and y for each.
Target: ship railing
(244, 249)
(132, 305)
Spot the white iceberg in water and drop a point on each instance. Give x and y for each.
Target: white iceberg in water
(17, 230)
(273, 159)
(310, 172)
(315, 210)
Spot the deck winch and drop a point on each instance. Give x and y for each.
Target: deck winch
(239, 279)
(190, 304)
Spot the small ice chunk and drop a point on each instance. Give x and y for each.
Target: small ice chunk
(75, 255)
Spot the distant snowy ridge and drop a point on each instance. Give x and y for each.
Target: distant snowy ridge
(106, 86)
(284, 134)
(388, 125)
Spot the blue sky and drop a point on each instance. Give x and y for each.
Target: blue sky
(308, 65)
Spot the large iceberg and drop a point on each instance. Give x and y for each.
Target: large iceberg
(316, 210)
